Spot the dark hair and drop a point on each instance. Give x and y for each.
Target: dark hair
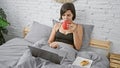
(68, 6)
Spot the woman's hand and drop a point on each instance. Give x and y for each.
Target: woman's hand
(72, 27)
(54, 45)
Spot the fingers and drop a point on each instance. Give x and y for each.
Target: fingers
(54, 45)
(72, 27)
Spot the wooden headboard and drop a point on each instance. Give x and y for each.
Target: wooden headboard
(102, 44)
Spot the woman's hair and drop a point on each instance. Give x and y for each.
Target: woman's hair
(68, 6)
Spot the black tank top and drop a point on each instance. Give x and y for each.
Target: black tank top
(68, 38)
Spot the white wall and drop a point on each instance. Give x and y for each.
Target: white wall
(104, 14)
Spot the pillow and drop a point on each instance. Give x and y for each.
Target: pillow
(38, 31)
(87, 30)
(44, 54)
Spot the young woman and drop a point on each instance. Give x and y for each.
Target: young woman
(74, 32)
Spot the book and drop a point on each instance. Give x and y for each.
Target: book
(82, 62)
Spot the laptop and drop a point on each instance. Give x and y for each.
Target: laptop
(37, 52)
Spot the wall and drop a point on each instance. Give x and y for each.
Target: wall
(104, 14)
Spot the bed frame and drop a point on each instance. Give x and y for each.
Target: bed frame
(102, 44)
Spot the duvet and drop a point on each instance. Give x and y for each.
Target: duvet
(16, 54)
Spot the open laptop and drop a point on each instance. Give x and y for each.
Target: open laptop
(37, 52)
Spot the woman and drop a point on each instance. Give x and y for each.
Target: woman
(74, 32)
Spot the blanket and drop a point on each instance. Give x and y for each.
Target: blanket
(11, 51)
(28, 61)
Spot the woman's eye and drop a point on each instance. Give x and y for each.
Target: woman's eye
(68, 15)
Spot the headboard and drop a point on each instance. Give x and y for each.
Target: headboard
(102, 44)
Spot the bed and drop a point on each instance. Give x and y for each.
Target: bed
(15, 53)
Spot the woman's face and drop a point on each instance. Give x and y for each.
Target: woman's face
(67, 15)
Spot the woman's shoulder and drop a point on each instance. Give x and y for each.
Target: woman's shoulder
(78, 25)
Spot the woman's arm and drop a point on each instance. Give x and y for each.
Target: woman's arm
(52, 35)
(77, 36)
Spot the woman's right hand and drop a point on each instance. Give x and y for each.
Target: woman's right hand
(54, 45)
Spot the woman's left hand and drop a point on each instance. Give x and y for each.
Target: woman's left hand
(72, 27)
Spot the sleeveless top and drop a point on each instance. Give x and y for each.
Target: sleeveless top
(68, 38)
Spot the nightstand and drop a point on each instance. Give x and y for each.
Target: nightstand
(114, 60)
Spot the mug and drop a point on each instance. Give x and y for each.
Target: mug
(65, 24)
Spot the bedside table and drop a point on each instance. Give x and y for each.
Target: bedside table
(114, 60)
